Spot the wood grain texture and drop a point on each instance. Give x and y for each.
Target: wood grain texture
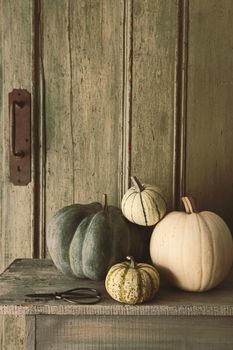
(210, 105)
(128, 332)
(16, 202)
(155, 27)
(30, 333)
(36, 276)
(14, 332)
(82, 57)
(54, 21)
(96, 54)
(174, 320)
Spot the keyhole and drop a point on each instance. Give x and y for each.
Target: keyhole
(20, 104)
(18, 168)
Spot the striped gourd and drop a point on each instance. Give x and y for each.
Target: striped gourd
(143, 204)
(132, 283)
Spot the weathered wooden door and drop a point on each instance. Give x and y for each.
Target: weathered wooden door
(119, 87)
(17, 210)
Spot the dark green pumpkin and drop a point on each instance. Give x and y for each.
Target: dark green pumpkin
(86, 240)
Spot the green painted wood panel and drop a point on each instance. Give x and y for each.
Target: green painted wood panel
(209, 138)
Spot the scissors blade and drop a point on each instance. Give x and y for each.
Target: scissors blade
(40, 295)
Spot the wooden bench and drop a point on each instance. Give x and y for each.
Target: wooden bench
(174, 320)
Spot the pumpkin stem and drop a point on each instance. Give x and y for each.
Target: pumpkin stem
(137, 184)
(132, 262)
(105, 201)
(189, 205)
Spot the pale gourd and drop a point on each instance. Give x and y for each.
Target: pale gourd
(194, 251)
(143, 204)
(132, 283)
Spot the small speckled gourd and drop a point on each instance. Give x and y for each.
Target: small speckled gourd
(193, 250)
(143, 204)
(132, 283)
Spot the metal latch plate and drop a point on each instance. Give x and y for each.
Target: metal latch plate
(20, 137)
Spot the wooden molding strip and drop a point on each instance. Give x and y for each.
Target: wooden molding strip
(39, 138)
(180, 103)
(127, 97)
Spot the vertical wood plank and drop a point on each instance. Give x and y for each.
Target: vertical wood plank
(82, 57)
(55, 59)
(210, 106)
(14, 333)
(96, 39)
(16, 202)
(30, 333)
(155, 30)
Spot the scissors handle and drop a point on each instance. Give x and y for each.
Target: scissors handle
(80, 296)
(81, 291)
(74, 296)
(82, 299)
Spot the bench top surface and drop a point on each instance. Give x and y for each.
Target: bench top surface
(26, 276)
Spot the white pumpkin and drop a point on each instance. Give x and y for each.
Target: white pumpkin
(143, 204)
(193, 250)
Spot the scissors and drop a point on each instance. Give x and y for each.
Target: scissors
(74, 296)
